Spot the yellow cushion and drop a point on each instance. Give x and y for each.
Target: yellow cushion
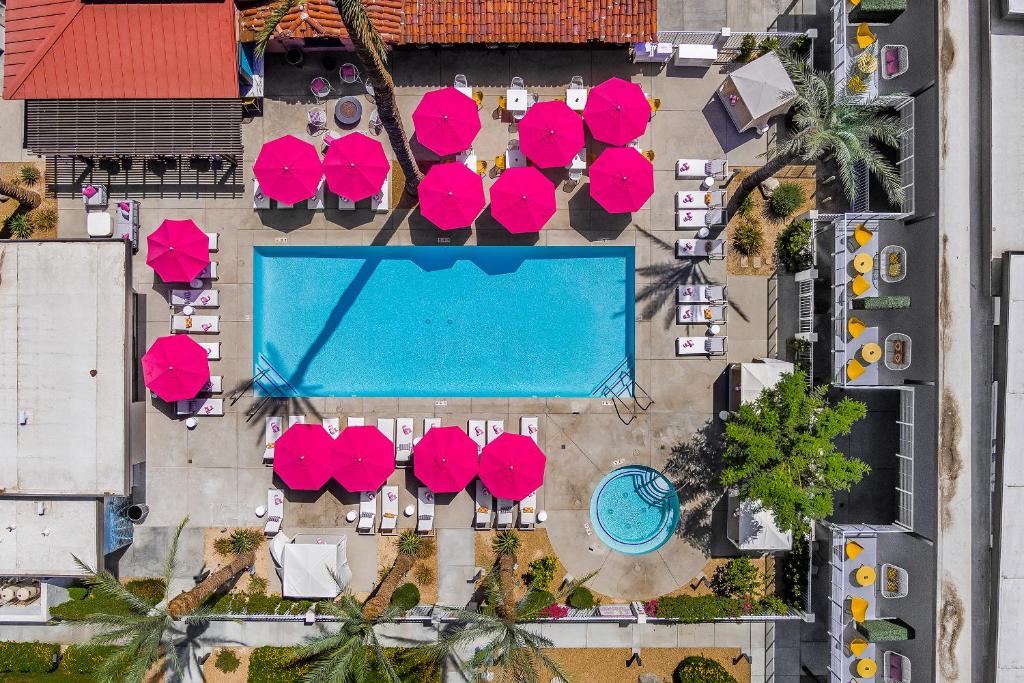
(864, 36)
(858, 609)
(866, 668)
(853, 549)
(855, 326)
(854, 369)
(860, 285)
(862, 235)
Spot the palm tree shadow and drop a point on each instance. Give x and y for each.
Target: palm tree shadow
(664, 279)
(695, 468)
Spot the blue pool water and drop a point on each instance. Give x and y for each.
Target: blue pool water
(443, 321)
(634, 510)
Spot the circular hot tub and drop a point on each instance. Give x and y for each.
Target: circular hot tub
(634, 509)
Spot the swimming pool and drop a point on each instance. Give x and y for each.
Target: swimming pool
(443, 321)
(634, 509)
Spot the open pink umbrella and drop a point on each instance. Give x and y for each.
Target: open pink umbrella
(512, 466)
(178, 250)
(446, 121)
(522, 199)
(288, 169)
(446, 459)
(175, 367)
(551, 134)
(355, 166)
(617, 111)
(621, 180)
(363, 458)
(451, 195)
(302, 457)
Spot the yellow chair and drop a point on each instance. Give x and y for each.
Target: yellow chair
(481, 167)
(501, 102)
(655, 104)
(854, 2)
(862, 235)
(858, 609)
(478, 97)
(499, 163)
(864, 36)
(857, 646)
(855, 326)
(860, 285)
(853, 549)
(854, 369)
(650, 155)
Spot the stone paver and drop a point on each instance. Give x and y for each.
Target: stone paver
(455, 566)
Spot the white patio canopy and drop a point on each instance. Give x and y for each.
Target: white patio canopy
(752, 527)
(748, 380)
(307, 568)
(756, 92)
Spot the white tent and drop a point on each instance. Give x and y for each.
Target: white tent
(752, 527)
(755, 92)
(307, 568)
(748, 380)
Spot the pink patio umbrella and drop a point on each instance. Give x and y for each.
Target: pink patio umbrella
(451, 195)
(446, 121)
(621, 180)
(522, 199)
(178, 250)
(446, 459)
(288, 169)
(363, 458)
(355, 166)
(551, 134)
(512, 466)
(617, 111)
(302, 457)
(175, 367)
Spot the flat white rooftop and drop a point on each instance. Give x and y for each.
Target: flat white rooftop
(43, 545)
(64, 352)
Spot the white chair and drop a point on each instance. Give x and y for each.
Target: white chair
(518, 83)
(700, 314)
(702, 168)
(478, 432)
(386, 426)
(195, 324)
(701, 346)
(695, 219)
(367, 512)
(389, 510)
(461, 81)
(576, 82)
(260, 201)
(506, 513)
(528, 426)
(214, 385)
(275, 511)
(528, 512)
(425, 511)
(272, 432)
(316, 202)
(332, 426)
(700, 248)
(345, 204)
(381, 202)
(201, 407)
(484, 504)
(495, 428)
(212, 350)
(209, 272)
(403, 441)
(199, 298)
(699, 294)
(214, 238)
(356, 422)
(94, 195)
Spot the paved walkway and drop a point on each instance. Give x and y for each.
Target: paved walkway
(456, 566)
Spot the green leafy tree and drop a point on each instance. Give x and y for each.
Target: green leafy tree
(826, 124)
(738, 578)
(780, 451)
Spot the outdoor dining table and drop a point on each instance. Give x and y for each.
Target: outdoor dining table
(871, 352)
(514, 158)
(576, 98)
(468, 158)
(579, 162)
(516, 99)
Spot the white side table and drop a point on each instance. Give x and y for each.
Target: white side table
(703, 232)
(715, 329)
(708, 183)
(350, 516)
(409, 510)
(515, 100)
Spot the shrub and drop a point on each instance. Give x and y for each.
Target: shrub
(747, 205)
(245, 540)
(881, 303)
(78, 592)
(748, 238)
(276, 665)
(581, 598)
(506, 542)
(701, 670)
(226, 661)
(20, 226)
(424, 575)
(554, 612)
(787, 198)
(793, 574)
(257, 585)
(748, 48)
(773, 604)
(878, 11)
(405, 597)
(534, 602)
(84, 660)
(542, 572)
(150, 590)
(29, 175)
(262, 604)
(28, 658)
(692, 609)
(882, 630)
(222, 546)
(738, 578)
(43, 218)
(769, 44)
(409, 543)
(793, 245)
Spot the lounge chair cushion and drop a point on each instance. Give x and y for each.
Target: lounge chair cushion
(89, 191)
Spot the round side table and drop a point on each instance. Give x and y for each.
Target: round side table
(865, 575)
(871, 352)
(866, 668)
(863, 263)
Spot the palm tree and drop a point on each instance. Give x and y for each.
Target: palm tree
(826, 124)
(277, 15)
(27, 198)
(351, 653)
(409, 545)
(372, 53)
(141, 632)
(188, 602)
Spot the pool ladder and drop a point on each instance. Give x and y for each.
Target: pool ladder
(622, 384)
(654, 489)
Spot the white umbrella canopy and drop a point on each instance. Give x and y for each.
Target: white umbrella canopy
(307, 570)
(752, 526)
(762, 88)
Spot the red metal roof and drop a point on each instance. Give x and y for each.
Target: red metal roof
(69, 49)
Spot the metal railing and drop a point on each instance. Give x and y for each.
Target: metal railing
(729, 46)
(905, 456)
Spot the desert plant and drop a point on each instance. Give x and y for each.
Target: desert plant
(737, 578)
(748, 239)
(150, 590)
(20, 226)
(226, 661)
(701, 670)
(43, 218)
(257, 585)
(405, 597)
(409, 543)
(424, 575)
(787, 198)
(534, 601)
(748, 48)
(773, 604)
(245, 541)
(78, 592)
(769, 44)
(29, 175)
(747, 206)
(542, 571)
(506, 542)
(581, 598)
(794, 246)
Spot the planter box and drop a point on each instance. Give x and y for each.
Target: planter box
(881, 303)
(877, 11)
(885, 630)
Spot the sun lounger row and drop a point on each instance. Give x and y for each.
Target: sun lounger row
(379, 203)
(505, 518)
(400, 431)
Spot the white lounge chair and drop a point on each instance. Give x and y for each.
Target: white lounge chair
(201, 407)
(425, 511)
(367, 512)
(699, 294)
(528, 512)
(345, 204)
(276, 546)
(386, 426)
(381, 202)
(403, 441)
(478, 432)
(214, 385)
(275, 511)
(94, 195)
(700, 248)
(195, 324)
(200, 298)
(506, 513)
(529, 426)
(296, 420)
(484, 505)
(209, 272)
(212, 350)
(316, 202)
(126, 221)
(260, 201)
(356, 422)
(428, 424)
(389, 510)
(495, 428)
(702, 168)
(214, 238)
(272, 432)
(332, 425)
(701, 346)
(700, 314)
(700, 199)
(695, 219)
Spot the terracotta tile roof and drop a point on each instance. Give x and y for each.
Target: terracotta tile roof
(69, 49)
(473, 21)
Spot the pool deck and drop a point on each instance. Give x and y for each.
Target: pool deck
(215, 475)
